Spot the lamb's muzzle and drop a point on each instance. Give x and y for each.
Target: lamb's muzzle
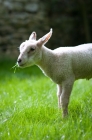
(63, 65)
(19, 61)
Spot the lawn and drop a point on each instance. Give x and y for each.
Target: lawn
(28, 107)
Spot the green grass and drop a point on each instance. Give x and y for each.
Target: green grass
(28, 107)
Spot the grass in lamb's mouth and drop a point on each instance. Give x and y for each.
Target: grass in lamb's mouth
(15, 67)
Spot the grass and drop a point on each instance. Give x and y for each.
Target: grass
(28, 107)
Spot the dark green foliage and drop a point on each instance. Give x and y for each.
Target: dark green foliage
(71, 21)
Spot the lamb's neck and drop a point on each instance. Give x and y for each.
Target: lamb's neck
(46, 61)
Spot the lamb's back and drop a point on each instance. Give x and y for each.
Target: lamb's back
(76, 60)
(82, 61)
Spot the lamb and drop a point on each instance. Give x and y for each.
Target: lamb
(63, 65)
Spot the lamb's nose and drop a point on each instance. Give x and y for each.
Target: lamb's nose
(19, 60)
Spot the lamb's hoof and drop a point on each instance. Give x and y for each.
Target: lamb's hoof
(65, 115)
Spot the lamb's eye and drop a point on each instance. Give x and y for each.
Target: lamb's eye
(31, 50)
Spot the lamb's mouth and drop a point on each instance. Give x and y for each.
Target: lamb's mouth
(22, 65)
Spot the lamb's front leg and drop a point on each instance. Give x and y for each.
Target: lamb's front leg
(64, 91)
(59, 92)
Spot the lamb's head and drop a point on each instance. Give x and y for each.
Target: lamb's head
(31, 50)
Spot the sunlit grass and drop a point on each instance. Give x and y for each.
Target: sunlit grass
(28, 107)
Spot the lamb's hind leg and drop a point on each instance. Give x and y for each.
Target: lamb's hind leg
(66, 91)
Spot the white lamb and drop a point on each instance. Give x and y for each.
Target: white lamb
(63, 65)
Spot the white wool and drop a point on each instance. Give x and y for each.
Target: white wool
(63, 65)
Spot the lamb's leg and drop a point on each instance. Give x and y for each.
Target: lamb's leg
(66, 91)
(59, 91)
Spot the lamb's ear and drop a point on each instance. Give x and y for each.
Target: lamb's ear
(44, 39)
(32, 36)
